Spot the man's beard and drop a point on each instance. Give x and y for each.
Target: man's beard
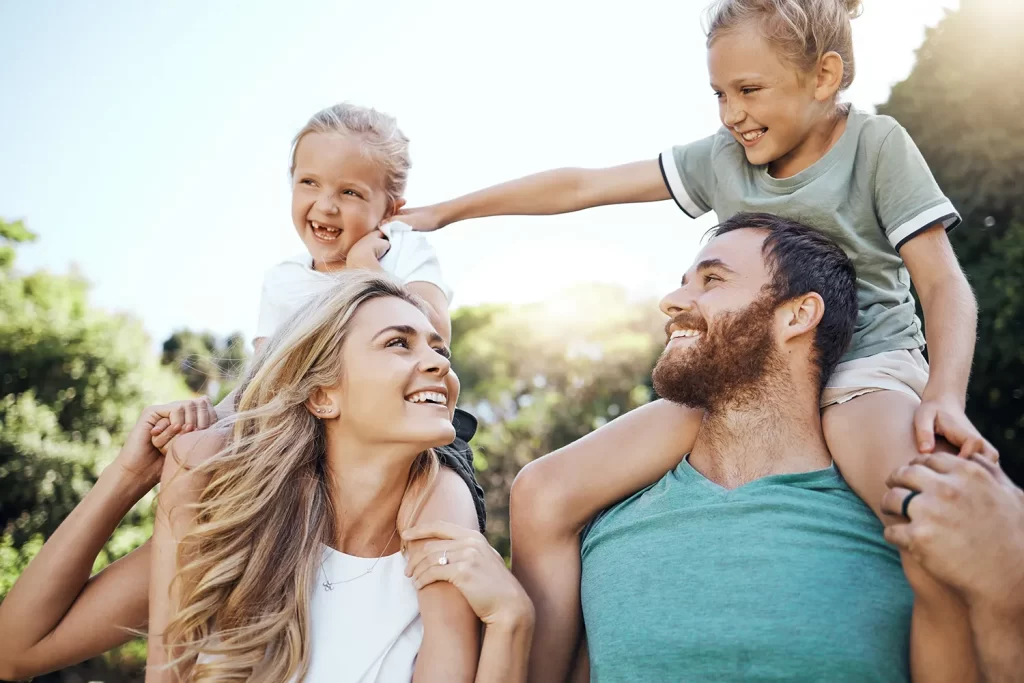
(731, 366)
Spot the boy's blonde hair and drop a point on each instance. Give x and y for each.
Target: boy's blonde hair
(380, 137)
(802, 30)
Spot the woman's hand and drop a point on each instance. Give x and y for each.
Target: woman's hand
(463, 558)
(142, 456)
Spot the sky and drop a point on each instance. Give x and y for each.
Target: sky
(147, 143)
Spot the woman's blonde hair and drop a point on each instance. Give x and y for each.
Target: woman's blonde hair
(803, 31)
(380, 137)
(248, 566)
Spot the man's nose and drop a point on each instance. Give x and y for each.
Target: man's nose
(679, 301)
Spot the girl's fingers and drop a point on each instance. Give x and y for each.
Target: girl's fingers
(161, 424)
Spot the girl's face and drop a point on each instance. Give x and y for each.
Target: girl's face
(338, 196)
(396, 386)
(766, 103)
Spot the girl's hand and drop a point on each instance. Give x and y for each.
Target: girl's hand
(463, 558)
(423, 219)
(944, 416)
(368, 251)
(142, 455)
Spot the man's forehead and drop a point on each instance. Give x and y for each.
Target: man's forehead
(739, 251)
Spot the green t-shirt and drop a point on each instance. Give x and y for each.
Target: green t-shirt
(787, 578)
(871, 193)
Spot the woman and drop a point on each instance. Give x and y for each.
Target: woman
(288, 564)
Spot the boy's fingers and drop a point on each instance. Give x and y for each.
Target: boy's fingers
(924, 428)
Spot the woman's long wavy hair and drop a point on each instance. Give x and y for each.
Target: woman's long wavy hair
(247, 569)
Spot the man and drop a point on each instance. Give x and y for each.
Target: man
(752, 559)
(965, 526)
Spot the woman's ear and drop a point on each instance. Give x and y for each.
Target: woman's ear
(321, 405)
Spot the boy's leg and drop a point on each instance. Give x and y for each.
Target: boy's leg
(869, 437)
(458, 456)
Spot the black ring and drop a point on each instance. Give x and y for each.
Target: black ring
(906, 502)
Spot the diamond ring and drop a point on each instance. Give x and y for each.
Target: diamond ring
(443, 560)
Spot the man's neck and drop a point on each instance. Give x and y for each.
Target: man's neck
(739, 444)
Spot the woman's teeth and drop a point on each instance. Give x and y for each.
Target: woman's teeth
(754, 134)
(325, 232)
(428, 397)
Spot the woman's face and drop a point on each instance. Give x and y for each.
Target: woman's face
(396, 386)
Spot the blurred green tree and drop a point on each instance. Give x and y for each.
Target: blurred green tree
(543, 375)
(964, 114)
(208, 364)
(73, 380)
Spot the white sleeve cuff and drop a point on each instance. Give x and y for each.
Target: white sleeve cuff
(943, 213)
(674, 182)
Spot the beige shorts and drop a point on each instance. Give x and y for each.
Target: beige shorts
(905, 371)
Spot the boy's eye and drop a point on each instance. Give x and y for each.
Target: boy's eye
(353, 193)
(719, 95)
(748, 91)
(711, 278)
(307, 181)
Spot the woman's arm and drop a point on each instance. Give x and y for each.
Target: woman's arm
(180, 486)
(56, 615)
(563, 190)
(451, 630)
(478, 572)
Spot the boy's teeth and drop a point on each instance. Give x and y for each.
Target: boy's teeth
(754, 134)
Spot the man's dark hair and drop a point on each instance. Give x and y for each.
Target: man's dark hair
(802, 260)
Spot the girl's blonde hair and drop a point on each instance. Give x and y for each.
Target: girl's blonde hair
(803, 31)
(248, 566)
(380, 137)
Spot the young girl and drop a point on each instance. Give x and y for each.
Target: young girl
(788, 147)
(349, 167)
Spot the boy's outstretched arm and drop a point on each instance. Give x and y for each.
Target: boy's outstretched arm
(563, 190)
(555, 496)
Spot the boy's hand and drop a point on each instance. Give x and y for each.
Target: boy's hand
(424, 219)
(944, 416)
(368, 251)
(142, 455)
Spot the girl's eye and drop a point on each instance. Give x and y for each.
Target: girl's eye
(307, 181)
(353, 193)
(397, 341)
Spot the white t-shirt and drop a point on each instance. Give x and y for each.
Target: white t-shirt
(367, 630)
(290, 284)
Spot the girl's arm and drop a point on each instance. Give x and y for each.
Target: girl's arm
(551, 192)
(180, 486)
(438, 304)
(451, 631)
(55, 615)
(951, 318)
(476, 571)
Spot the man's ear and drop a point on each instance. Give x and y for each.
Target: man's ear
(801, 315)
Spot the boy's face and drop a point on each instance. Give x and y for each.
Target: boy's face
(338, 196)
(766, 103)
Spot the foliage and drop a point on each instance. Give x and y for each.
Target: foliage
(209, 365)
(964, 115)
(541, 376)
(73, 380)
